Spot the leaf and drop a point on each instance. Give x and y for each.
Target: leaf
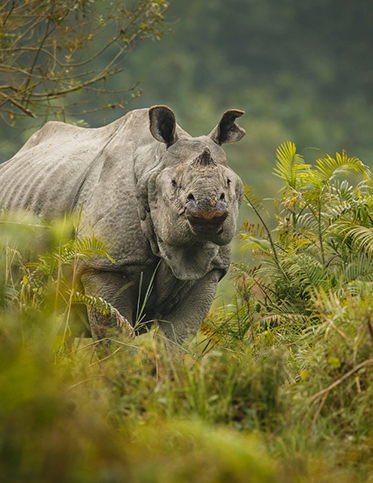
(290, 165)
(334, 362)
(252, 199)
(77, 249)
(329, 168)
(253, 241)
(103, 307)
(362, 236)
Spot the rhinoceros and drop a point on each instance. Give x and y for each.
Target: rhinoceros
(165, 203)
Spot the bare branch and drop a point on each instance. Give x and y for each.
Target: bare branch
(45, 52)
(20, 106)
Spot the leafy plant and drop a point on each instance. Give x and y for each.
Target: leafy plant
(311, 295)
(323, 224)
(50, 284)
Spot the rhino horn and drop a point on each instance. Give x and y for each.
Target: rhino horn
(227, 131)
(204, 159)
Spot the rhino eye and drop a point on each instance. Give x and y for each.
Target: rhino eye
(173, 182)
(228, 181)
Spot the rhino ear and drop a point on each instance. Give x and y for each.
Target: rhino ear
(227, 131)
(163, 124)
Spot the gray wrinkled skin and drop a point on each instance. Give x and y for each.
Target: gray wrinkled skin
(157, 196)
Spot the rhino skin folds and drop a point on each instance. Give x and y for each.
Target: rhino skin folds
(157, 196)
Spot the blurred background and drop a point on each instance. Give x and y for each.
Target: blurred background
(302, 71)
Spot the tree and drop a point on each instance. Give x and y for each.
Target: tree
(57, 49)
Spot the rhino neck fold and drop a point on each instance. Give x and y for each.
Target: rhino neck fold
(191, 262)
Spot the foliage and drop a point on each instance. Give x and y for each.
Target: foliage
(276, 388)
(52, 50)
(311, 296)
(50, 284)
(280, 61)
(322, 235)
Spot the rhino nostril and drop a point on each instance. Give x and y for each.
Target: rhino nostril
(222, 196)
(190, 197)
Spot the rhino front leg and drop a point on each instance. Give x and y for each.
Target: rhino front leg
(114, 288)
(187, 316)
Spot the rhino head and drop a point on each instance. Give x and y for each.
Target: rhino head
(193, 196)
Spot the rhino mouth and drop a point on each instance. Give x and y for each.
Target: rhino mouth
(204, 226)
(206, 216)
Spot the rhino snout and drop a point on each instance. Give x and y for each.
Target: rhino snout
(206, 211)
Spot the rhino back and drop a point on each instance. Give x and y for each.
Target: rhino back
(44, 175)
(63, 168)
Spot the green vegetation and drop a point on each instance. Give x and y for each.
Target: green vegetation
(300, 70)
(52, 50)
(277, 387)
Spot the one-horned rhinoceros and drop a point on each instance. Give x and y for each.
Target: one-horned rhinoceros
(165, 203)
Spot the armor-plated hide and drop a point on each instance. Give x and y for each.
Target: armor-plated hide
(163, 201)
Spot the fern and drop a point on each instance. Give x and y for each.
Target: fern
(322, 225)
(327, 169)
(361, 236)
(290, 165)
(103, 307)
(67, 254)
(252, 199)
(254, 202)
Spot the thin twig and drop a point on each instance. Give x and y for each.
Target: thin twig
(318, 411)
(19, 105)
(98, 376)
(338, 381)
(105, 358)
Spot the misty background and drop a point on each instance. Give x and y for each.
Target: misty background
(302, 71)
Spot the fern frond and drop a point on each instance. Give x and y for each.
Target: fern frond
(290, 165)
(211, 331)
(337, 211)
(103, 307)
(359, 288)
(307, 222)
(251, 230)
(361, 236)
(11, 294)
(253, 236)
(343, 190)
(359, 268)
(329, 168)
(77, 249)
(252, 199)
(281, 315)
(256, 205)
(254, 243)
(307, 273)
